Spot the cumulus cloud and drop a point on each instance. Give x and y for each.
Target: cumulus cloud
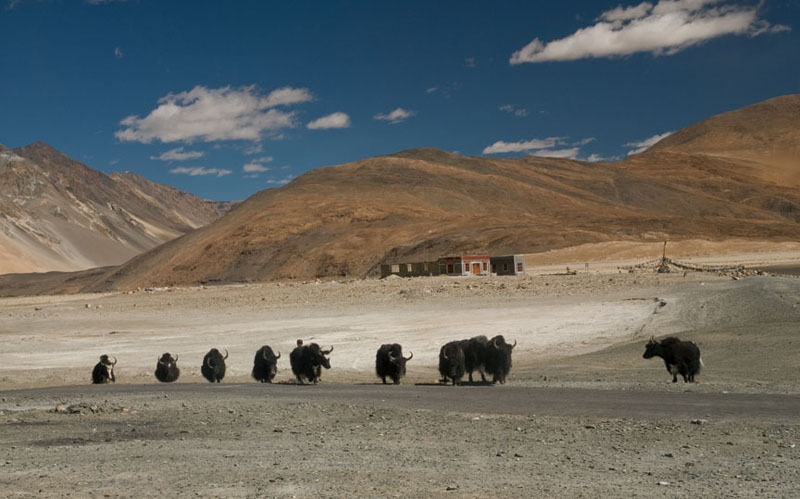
(523, 145)
(646, 144)
(118, 53)
(211, 114)
(519, 112)
(178, 154)
(397, 116)
(335, 120)
(194, 171)
(666, 27)
(470, 62)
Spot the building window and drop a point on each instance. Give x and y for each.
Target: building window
(449, 268)
(505, 267)
(395, 269)
(484, 266)
(408, 267)
(519, 266)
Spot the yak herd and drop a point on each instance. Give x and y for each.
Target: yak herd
(456, 358)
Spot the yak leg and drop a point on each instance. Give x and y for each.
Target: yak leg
(470, 376)
(384, 379)
(396, 380)
(483, 378)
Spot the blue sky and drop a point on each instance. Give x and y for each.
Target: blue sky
(223, 99)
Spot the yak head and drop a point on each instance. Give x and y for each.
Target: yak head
(106, 362)
(166, 359)
(213, 356)
(319, 357)
(397, 359)
(652, 348)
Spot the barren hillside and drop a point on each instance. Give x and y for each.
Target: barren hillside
(425, 203)
(58, 214)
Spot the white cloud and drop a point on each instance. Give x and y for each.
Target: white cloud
(431, 90)
(645, 144)
(335, 120)
(118, 53)
(583, 142)
(470, 62)
(194, 171)
(396, 116)
(519, 112)
(282, 181)
(211, 114)
(571, 153)
(664, 28)
(255, 167)
(254, 149)
(523, 145)
(178, 154)
(594, 158)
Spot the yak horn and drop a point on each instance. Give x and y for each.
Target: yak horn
(176, 359)
(444, 354)
(115, 362)
(226, 354)
(208, 363)
(264, 353)
(278, 357)
(515, 344)
(159, 361)
(327, 352)
(494, 343)
(410, 357)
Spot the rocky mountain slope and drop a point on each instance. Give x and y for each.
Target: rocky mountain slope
(425, 203)
(58, 214)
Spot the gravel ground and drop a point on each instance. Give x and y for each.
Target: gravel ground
(580, 336)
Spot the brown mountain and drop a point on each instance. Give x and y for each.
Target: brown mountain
(425, 203)
(58, 214)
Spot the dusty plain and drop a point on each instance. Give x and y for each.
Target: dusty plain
(583, 415)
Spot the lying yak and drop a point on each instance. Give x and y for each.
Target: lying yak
(265, 364)
(103, 372)
(680, 357)
(451, 362)
(213, 368)
(475, 355)
(389, 361)
(308, 360)
(498, 358)
(167, 368)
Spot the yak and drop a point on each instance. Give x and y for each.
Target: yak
(265, 364)
(213, 368)
(167, 368)
(498, 358)
(308, 360)
(389, 361)
(451, 362)
(103, 372)
(475, 355)
(680, 357)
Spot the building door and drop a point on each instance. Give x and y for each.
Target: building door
(476, 268)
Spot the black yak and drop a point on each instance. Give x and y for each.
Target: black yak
(451, 362)
(167, 368)
(265, 364)
(498, 358)
(213, 368)
(103, 372)
(389, 361)
(680, 357)
(308, 360)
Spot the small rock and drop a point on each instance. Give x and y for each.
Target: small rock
(663, 484)
(60, 408)
(699, 421)
(669, 454)
(451, 487)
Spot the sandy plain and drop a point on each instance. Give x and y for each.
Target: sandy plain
(583, 414)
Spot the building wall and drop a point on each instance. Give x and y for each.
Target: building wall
(508, 265)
